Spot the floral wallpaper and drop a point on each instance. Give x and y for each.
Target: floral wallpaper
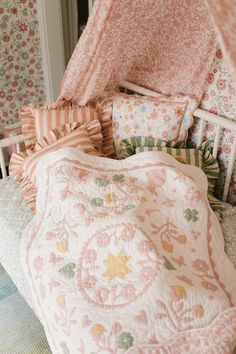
(21, 74)
(220, 97)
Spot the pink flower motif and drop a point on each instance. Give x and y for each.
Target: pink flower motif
(226, 148)
(165, 134)
(136, 126)
(213, 110)
(209, 286)
(89, 282)
(166, 118)
(185, 280)
(80, 207)
(210, 78)
(147, 273)
(103, 239)
(115, 125)
(193, 195)
(116, 328)
(145, 247)
(128, 292)
(38, 263)
(205, 96)
(221, 84)
(90, 256)
(209, 127)
(200, 265)
(6, 38)
(154, 115)
(219, 54)
(23, 27)
(102, 295)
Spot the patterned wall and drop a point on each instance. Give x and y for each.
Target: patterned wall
(21, 75)
(220, 98)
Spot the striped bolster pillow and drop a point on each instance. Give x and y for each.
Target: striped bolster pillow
(23, 165)
(38, 121)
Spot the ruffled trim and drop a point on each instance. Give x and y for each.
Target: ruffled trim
(210, 165)
(105, 106)
(129, 145)
(16, 163)
(93, 128)
(20, 164)
(27, 117)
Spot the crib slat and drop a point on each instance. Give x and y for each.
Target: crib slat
(200, 133)
(230, 168)
(17, 148)
(216, 141)
(2, 164)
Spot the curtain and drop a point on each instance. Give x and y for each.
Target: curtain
(223, 15)
(165, 45)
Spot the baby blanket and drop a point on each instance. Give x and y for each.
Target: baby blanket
(127, 257)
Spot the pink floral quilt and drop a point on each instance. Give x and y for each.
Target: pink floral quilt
(127, 257)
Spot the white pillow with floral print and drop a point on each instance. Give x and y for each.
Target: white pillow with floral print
(167, 118)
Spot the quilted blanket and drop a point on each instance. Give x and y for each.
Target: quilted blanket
(127, 257)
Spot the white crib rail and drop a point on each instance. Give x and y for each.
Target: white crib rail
(13, 140)
(217, 121)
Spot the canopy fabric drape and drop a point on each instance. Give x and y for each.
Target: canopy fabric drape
(223, 14)
(165, 45)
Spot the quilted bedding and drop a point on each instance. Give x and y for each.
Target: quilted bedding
(127, 257)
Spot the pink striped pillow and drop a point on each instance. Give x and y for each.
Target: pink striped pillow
(38, 121)
(22, 166)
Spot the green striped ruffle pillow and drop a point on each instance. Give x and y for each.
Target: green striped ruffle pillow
(200, 157)
(128, 146)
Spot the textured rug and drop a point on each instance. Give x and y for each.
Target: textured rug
(20, 330)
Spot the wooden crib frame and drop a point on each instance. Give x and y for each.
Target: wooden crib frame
(218, 121)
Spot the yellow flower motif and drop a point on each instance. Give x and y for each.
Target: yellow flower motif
(60, 300)
(62, 246)
(143, 199)
(200, 311)
(97, 328)
(110, 197)
(168, 247)
(100, 215)
(130, 107)
(116, 266)
(179, 291)
(127, 128)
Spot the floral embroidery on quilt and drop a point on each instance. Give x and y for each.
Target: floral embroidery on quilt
(142, 276)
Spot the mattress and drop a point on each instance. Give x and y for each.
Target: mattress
(14, 216)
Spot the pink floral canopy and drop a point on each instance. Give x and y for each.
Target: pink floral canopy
(164, 45)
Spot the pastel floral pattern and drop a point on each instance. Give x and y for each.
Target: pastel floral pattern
(220, 97)
(142, 276)
(21, 74)
(163, 118)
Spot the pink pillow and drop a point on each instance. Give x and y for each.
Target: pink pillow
(23, 165)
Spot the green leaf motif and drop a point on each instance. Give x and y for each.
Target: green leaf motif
(68, 270)
(125, 340)
(101, 182)
(118, 178)
(191, 215)
(64, 347)
(128, 207)
(97, 202)
(167, 264)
